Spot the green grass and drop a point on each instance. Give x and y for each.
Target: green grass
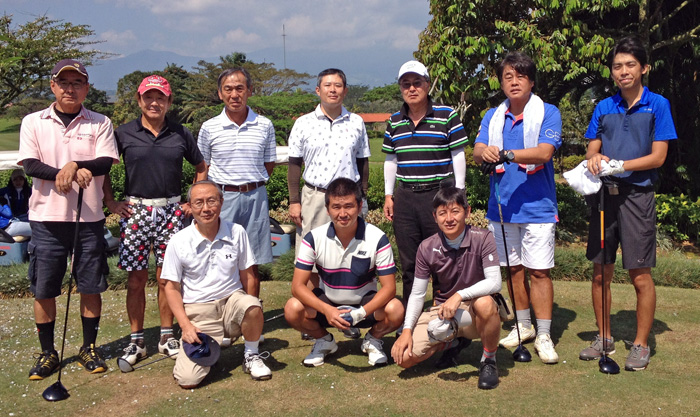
(346, 385)
(375, 147)
(9, 134)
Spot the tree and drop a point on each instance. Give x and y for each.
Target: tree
(29, 52)
(570, 41)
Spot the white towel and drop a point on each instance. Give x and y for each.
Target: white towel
(582, 181)
(533, 115)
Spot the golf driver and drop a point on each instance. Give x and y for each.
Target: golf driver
(125, 366)
(606, 364)
(520, 354)
(56, 391)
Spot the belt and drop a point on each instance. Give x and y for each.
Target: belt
(315, 188)
(420, 187)
(153, 202)
(243, 188)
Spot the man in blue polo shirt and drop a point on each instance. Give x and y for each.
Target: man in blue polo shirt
(515, 145)
(349, 255)
(628, 139)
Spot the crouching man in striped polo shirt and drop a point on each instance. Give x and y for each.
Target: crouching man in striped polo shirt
(349, 255)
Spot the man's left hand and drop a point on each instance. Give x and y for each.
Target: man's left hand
(186, 209)
(65, 177)
(357, 315)
(612, 167)
(448, 309)
(83, 177)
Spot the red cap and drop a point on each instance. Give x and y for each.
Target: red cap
(155, 82)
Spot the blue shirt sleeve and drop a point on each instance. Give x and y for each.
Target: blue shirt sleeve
(664, 129)
(550, 132)
(592, 131)
(482, 135)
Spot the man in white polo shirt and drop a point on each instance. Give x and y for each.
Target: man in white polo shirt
(64, 148)
(239, 149)
(208, 268)
(331, 143)
(349, 255)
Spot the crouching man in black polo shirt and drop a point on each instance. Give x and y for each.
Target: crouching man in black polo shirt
(464, 261)
(153, 148)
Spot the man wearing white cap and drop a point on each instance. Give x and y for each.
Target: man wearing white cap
(153, 148)
(424, 143)
(464, 265)
(64, 148)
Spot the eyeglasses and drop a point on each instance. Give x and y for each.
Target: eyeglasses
(210, 202)
(416, 84)
(65, 84)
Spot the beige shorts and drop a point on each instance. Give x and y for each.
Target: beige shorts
(313, 213)
(218, 319)
(421, 343)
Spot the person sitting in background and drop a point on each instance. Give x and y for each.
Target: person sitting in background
(17, 194)
(10, 224)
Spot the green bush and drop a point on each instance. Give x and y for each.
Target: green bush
(277, 191)
(678, 217)
(570, 162)
(573, 212)
(375, 193)
(478, 188)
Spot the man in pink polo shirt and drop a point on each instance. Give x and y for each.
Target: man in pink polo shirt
(65, 147)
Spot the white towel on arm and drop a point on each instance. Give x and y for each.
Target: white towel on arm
(533, 115)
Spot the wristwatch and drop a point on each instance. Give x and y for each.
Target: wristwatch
(510, 156)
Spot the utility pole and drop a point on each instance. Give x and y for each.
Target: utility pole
(284, 47)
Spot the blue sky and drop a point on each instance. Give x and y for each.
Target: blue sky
(369, 37)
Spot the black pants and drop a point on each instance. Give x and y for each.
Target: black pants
(413, 223)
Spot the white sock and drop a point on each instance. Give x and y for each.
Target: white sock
(524, 318)
(250, 348)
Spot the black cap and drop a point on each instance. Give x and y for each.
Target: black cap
(68, 64)
(205, 353)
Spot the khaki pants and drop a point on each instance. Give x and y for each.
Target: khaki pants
(218, 319)
(421, 343)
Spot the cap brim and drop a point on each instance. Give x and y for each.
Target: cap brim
(70, 68)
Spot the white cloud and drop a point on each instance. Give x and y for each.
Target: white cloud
(236, 39)
(118, 40)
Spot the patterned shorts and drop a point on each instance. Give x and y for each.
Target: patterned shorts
(147, 228)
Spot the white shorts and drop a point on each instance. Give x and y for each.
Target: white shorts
(529, 244)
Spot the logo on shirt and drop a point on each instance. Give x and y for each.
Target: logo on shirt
(85, 136)
(437, 250)
(362, 253)
(490, 257)
(229, 256)
(552, 134)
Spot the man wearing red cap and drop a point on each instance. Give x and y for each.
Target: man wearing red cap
(67, 147)
(153, 148)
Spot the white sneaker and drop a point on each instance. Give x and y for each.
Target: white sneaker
(373, 348)
(545, 348)
(511, 341)
(133, 353)
(318, 353)
(170, 348)
(253, 364)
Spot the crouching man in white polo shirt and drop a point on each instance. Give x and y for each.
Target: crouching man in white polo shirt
(208, 272)
(349, 255)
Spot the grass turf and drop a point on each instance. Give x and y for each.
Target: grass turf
(346, 385)
(9, 134)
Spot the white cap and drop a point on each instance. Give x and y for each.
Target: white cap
(414, 67)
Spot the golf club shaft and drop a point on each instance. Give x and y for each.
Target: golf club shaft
(155, 360)
(70, 278)
(505, 250)
(603, 294)
(274, 317)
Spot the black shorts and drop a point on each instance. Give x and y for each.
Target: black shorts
(49, 250)
(369, 321)
(630, 222)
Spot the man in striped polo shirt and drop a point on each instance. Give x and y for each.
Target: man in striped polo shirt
(239, 148)
(424, 143)
(349, 255)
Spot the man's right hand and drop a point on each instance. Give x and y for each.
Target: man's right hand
(389, 207)
(65, 178)
(403, 343)
(122, 208)
(333, 316)
(295, 213)
(189, 333)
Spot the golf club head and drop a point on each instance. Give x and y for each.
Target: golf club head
(521, 354)
(124, 365)
(608, 366)
(55, 392)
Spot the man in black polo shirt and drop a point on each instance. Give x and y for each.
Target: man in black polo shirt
(424, 143)
(153, 148)
(464, 264)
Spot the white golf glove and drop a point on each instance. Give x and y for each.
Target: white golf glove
(357, 315)
(613, 167)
